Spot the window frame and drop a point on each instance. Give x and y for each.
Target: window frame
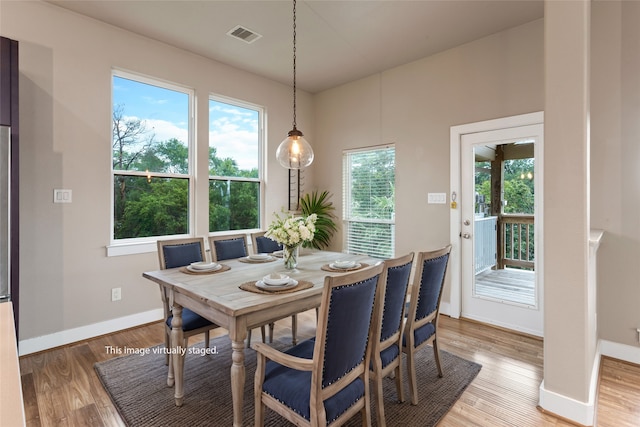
(261, 110)
(136, 245)
(347, 218)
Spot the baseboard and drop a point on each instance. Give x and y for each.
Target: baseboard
(45, 342)
(581, 413)
(623, 352)
(565, 407)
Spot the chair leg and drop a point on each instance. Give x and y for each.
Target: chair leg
(271, 327)
(262, 331)
(249, 338)
(206, 339)
(436, 354)
(366, 411)
(380, 399)
(411, 371)
(294, 329)
(398, 378)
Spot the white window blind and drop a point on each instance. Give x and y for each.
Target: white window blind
(369, 201)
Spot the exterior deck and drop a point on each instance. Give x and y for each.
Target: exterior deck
(508, 285)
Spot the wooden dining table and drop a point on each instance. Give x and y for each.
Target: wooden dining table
(217, 296)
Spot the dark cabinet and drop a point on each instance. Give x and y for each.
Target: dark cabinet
(9, 175)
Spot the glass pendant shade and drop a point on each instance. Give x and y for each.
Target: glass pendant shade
(294, 152)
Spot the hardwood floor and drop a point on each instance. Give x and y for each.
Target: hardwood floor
(61, 388)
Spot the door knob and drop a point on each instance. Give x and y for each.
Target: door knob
(466, 235)
(467, 222)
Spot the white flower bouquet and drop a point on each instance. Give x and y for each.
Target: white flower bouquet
(292, 231)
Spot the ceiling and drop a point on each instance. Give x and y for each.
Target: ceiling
(337, 41)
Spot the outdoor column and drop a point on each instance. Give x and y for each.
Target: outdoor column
(569, 313)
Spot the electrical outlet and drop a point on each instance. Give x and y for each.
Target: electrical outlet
(116, 294)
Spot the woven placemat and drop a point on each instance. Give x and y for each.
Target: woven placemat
(251, 287)
(220, 270)
(256, 261)
(327, 267)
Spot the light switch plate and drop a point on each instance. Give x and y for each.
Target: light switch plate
(437, 198)
(61, 196)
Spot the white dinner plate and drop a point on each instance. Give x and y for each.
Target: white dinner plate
(203, 265)
(337, 267)
(292, 284)
(260, 257)
(278, 254)
(276, 281)
(212, 267)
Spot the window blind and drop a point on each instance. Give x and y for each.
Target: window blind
(369, 201)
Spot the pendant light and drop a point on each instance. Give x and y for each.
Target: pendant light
(294, 152)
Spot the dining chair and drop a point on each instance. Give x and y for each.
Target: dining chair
(386, 356)
(228, 247)
(231, 246)
(179, 253)
(262, 245)
(325, 380)
(421, 327)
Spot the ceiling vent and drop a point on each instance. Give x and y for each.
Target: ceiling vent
(244, 34)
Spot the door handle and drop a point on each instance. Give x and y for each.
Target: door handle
(466, 235)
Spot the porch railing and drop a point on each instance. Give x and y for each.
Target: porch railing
(518, 240)
(485, 243)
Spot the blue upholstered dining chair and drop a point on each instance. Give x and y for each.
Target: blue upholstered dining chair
(264, 245)
(179, 253)
(386, 356)
(231, 247)
(325, 380)
(421, 327)
(228, 247)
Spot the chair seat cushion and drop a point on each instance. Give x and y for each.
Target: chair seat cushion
(293, 388)
(421, 334)
(190, 320)
(389, 354)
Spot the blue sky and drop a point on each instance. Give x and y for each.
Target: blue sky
(233, 130)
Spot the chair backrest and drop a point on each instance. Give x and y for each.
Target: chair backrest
(180, 252)
(397, 274)
(344, 331)
(228, 247)
(428, 283)
(263, 244)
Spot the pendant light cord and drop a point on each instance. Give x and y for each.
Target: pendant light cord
(294, 64)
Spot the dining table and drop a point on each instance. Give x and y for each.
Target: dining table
(231, 298)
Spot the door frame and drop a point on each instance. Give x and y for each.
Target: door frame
(455, 218)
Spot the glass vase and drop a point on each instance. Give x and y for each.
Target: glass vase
(290, 256)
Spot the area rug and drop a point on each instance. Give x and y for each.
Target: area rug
(137, 385)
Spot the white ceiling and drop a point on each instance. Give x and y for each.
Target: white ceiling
(337, 41)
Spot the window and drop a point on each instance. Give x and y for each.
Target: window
(369, 201)
(152, 172)
(235, 141)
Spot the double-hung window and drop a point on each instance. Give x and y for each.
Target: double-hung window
(369, 201)
(235, 175)
(152, 162)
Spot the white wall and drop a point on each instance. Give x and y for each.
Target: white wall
(65, 123)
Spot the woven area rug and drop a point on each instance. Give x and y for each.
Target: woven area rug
(137, 386)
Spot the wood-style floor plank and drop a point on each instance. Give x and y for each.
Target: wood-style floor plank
(61, 388)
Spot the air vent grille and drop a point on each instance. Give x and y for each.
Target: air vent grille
(244, 34)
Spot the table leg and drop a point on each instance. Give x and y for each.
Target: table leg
(238, 375)
(177, 355)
